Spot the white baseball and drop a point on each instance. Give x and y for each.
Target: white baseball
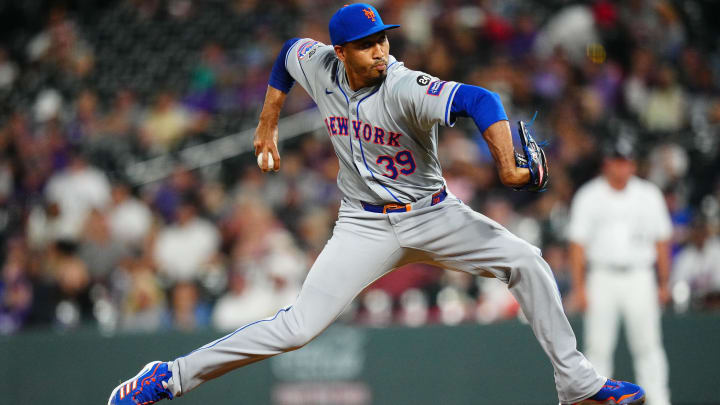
(270, 160)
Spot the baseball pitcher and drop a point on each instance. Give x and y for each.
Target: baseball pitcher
(382, 119)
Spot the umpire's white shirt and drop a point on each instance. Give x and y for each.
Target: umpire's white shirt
(619, 228)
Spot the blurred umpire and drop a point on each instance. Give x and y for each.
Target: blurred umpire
(619, 230)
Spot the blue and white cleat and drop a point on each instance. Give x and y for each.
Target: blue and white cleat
(616, 393)
(147, 387)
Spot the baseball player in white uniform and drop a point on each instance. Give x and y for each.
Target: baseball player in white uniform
(619, 228)
(382, 119)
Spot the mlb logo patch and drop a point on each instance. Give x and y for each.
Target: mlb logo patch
(435, 88)
(305, 48)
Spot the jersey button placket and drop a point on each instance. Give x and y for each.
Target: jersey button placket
(353, 116)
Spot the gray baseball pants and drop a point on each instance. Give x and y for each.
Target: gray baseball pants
(365, 246)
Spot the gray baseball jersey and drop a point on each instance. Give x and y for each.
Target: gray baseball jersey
(386, 136)
(386, 140)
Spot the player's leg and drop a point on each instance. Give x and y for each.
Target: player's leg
(363, 248)
(644, 335)
(602, 317)
(462, 239)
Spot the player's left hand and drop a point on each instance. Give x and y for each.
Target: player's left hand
(532, 158)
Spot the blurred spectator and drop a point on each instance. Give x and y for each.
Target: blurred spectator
(6, 181)
(98, 250)
(183, 249)
(188, 311)
(199, 130)
(142, 300)
(668, 165)
(556, 256)
(570, 29)
(414, 21)
(636, 87)
(129, 218)
(77, 190)
(44, 226)
(314, 230)
(552, 78)
(166, 197)
(124, 116)
(239, 305)
(16, 293)
(214, 200)
(84, 124)
(248, 300)
(456, 298)
(665, 107)
(293, 191)
(48, 105)
(695, 73)
(697, 265)
(209, 77)
(670, 36)
(60, 45)
(652, 23)
(495, 302)
(72, 300)
(8, 71)
(378, 307)
(263, 246)
(165, 124)
(680, 214)
(414, 308)
(52, 140)
(500, 210)
(460, 158)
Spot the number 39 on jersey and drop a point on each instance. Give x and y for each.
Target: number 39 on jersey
(401, 163)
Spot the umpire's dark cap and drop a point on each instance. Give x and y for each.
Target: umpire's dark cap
(621, 148)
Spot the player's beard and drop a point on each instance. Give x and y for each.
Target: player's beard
(377, 77)
(378, 80)
(368, 75)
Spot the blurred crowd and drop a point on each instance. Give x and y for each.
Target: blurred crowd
(87, 88)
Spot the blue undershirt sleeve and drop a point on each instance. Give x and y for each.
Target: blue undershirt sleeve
(279, 77)
(482, 105)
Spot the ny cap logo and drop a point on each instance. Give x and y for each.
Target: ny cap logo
(369, 14)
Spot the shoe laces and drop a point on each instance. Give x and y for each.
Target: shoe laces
(152, 390)
(612, 384)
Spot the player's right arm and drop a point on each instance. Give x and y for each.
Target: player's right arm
(294, 63)
(266, 133)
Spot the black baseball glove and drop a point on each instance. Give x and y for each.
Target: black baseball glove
(532, 158)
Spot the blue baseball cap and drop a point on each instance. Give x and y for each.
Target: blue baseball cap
(355, 21)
